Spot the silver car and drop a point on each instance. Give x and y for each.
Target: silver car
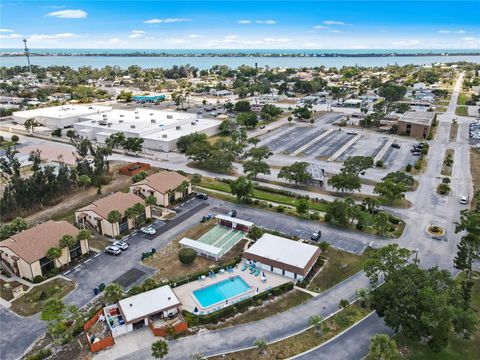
(148, 230)
(113, 250)
(121, 245)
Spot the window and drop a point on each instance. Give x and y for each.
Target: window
(271, 268)
(46, 265)
(283, 272)
(295, 275)
(75, 250)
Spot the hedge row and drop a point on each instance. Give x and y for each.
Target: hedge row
(222, 314)
(194, 276)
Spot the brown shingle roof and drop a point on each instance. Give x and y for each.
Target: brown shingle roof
(118, 201)
(32, 244)
(163, 181)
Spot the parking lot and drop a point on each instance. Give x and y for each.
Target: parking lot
(366, 145)
(329, 145)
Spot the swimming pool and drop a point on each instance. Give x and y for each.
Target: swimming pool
(221, 291)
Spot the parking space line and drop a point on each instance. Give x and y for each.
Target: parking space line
(67, 272)
(76, 267)
(98, 255)
(87, 261)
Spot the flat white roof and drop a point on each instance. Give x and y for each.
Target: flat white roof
(185, 128)
(200, 246)
(234, 220)
(61, 112)
(148, 303)
(286, 251)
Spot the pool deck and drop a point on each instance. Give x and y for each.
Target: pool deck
(184, 292)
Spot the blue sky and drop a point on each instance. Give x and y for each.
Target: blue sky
(241, 25)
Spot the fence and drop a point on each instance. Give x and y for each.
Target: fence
(103, 343)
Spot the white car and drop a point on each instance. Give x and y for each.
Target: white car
(148, 230)
(463, 200)
(112, 250)
(121, 245)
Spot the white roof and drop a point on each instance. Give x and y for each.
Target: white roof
(200, 246)
(62, 112)
(286, 251)
(185, 128)
(234, 220)
(148, 303)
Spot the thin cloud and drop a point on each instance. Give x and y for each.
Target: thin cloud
(166, 21)
(68, 14)
(469, 38)
(452, 31)
(334, 22)
(195, 36)
(320, 27)
(244, 21)
(136, 34)
(10, 36)
(406, 42)
(6, 30)
(334, 31)
(40, 37)
(267, 22)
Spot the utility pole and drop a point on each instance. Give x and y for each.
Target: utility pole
(27, 54)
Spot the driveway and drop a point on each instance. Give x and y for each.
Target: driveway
(352, 344)
(17, 333)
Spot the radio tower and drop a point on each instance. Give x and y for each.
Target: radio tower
(27, 54)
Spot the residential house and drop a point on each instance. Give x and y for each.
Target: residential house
(164, 185)
(95, 215)
(25, 253)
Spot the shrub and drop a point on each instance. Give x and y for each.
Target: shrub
(54, 271)
(446, 180)
(186, 255)
(360, 226)
(118, 237)
(38, 279)
(408, 168)
(40, 355)
(328, 218)
(379, 163)
(443, 189)
(394, 220)
(315, 216)
(280, 208)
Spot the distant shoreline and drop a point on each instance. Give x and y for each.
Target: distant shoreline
(240, 54)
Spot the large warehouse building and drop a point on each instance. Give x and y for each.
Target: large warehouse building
(159, 129)
(59, 116)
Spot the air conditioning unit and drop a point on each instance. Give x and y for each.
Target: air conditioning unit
(132, 126)
(122, 115)
(193, 123)
(153, 121)
(120, 121)
(169, 116)
(164, 136)
(151, 114)
(137, 117)
(109, 124)
(136, 111)
(94, 121)
(178, 127)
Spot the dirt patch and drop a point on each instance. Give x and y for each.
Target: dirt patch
(6, 289)
(99, 243)
(65, 210)
(32, 302)
(169, 266)
(453, 132)
(448, 162)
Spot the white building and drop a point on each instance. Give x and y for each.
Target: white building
(279, 255)
(159, 129)
(59, 116)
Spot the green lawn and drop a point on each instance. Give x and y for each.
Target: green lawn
(461, 111)
(339, 266)
(462, 98)
(457, 349)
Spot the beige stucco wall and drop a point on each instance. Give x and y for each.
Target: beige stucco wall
(162, 199)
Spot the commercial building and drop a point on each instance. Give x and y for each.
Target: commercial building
(159, 129)
(164, 185)
(289, 258)
(95, 215)
(59, 116)
(415, 124)
(148, 98)
(25, 253)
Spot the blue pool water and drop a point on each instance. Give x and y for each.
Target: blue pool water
(221, 291)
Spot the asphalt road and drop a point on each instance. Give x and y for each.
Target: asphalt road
(352, 344)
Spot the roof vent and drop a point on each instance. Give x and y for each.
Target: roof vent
(178, 127)
(151, 114)
(131, 304)
(169, 298)
(136, 111)
(132, 126)
(193, 123)
(122, 115)
(120, 121)
(164, 136)
(94, 121)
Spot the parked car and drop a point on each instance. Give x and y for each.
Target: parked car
(202, 196)
(121, 245)
(113, 250)
(395, 146)
(148, 230)
(232, 213)
(463, 200)
(316, 236)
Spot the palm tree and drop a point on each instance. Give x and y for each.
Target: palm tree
(196, 180)
(30, 125)
(261, 344)
(67, 241)
(382, 348)
(316, 321)
(114, 217)
(54, 254)
(182, 188)
(151, 200)
(159, 349)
